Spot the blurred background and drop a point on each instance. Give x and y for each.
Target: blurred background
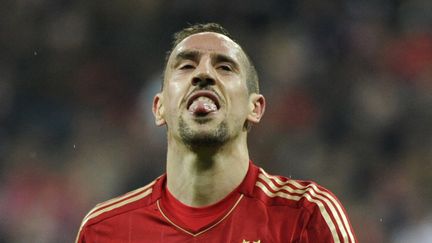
(348, 86)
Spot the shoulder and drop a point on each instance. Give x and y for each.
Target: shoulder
(321, 204)
(279, 190)
(119, 205)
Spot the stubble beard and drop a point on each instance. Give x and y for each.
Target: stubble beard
(215, 138)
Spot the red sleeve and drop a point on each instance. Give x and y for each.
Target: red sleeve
(328, 222)
(317, 230)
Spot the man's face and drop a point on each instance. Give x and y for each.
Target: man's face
(205, 99)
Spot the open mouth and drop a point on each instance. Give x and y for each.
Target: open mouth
(203, 102)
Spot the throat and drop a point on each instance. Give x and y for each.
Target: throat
(204, 178)
(202, 190)
(204, 184)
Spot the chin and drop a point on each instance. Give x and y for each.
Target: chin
(203, 135)
(204, 142)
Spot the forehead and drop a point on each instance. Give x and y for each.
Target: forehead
(210, 42)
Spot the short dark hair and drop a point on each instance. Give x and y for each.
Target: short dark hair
(252, 76)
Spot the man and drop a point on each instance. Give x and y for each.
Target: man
(211, 191)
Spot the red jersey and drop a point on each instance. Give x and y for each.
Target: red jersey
(264, 208)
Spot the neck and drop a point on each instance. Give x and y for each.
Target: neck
(203, 178)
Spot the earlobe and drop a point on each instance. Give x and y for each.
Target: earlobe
(158, 110)
(257, 107)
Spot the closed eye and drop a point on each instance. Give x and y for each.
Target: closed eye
(225, 67)
(187, 66)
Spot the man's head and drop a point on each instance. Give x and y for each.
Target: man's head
(208, 97)
(252, 76)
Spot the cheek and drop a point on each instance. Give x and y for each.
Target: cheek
(238, 90)
(240, 101)
(175, 93)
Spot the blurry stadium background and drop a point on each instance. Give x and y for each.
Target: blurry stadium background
(348, 87)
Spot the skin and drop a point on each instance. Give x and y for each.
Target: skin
(213, 162)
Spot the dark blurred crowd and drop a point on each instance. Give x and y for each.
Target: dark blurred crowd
(349, 105)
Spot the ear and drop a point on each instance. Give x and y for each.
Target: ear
(256, 107)
(158, 110)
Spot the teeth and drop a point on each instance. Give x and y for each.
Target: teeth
(210, 106)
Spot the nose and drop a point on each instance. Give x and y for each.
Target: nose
(203, 76)
(203, 80)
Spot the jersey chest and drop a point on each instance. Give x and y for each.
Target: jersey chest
(250, 221)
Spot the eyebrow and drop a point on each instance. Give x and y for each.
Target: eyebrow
(187, 55)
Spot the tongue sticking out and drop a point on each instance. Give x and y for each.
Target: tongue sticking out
(202, 106)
